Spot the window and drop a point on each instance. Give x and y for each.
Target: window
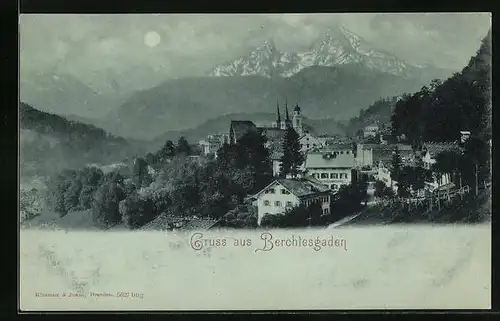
(277, 203)
(266, 203)
(324, 175)
(289, 204)
(284, 191)
(313, 175)
(334, 186)
(307, 145)
(342, 152)
(326, 211)
(334, 175)
(272, 191)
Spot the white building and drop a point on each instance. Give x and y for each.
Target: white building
(370, 131)
(331, 168)
(284, 194)
(213, 143)
(384, 175)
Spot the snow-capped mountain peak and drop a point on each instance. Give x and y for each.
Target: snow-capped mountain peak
(337, 46)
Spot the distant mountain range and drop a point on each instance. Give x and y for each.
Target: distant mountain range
(338, 46)
(65, 94)
(323, 92)
(50, 143)
(338, 76)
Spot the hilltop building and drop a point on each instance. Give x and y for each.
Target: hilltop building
(213, 143)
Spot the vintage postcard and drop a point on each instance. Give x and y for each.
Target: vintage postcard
(193, 162)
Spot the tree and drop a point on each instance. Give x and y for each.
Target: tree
(379, 189)
(477, 162)
(292, 157)
(72, 194)
(167, 151)
(140, 172)
(136, 211)
(105, 207)
(396, 165)
(449, 162)
(273, 221)
(183, 146)
(412, 178)
(58, 186)
(250, 154)
(90, 178)
(151, 158)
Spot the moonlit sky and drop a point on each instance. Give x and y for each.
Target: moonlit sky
(94, 47)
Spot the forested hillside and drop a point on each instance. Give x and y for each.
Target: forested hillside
(50, 143)
(462, 102)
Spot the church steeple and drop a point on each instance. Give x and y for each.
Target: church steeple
(278, 119)
(286, 111)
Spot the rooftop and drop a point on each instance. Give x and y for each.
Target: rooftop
(388, 147)
(301, 187)
(272, 133)
(241, 127)
(322, 159)
(436, 148)
(164, 222)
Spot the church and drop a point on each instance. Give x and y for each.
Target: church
(273, 133)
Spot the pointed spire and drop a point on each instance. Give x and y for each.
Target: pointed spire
(278, 119)
(286, 111)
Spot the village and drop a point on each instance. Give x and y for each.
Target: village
(333, 162)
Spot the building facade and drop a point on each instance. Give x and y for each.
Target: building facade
(308, 141)
(213, 143)
(370, 131)
(333, 169)
(284, 194)
(369, 155)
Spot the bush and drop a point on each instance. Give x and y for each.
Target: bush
(105, 207)
(273, 221)
(136, 211)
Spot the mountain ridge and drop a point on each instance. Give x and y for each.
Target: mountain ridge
(337, 46)
(179, 104)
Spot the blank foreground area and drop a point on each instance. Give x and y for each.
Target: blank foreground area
(417, 267)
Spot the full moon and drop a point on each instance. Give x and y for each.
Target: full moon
(152, 39)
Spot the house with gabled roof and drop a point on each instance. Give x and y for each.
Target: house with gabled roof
(286, 193)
